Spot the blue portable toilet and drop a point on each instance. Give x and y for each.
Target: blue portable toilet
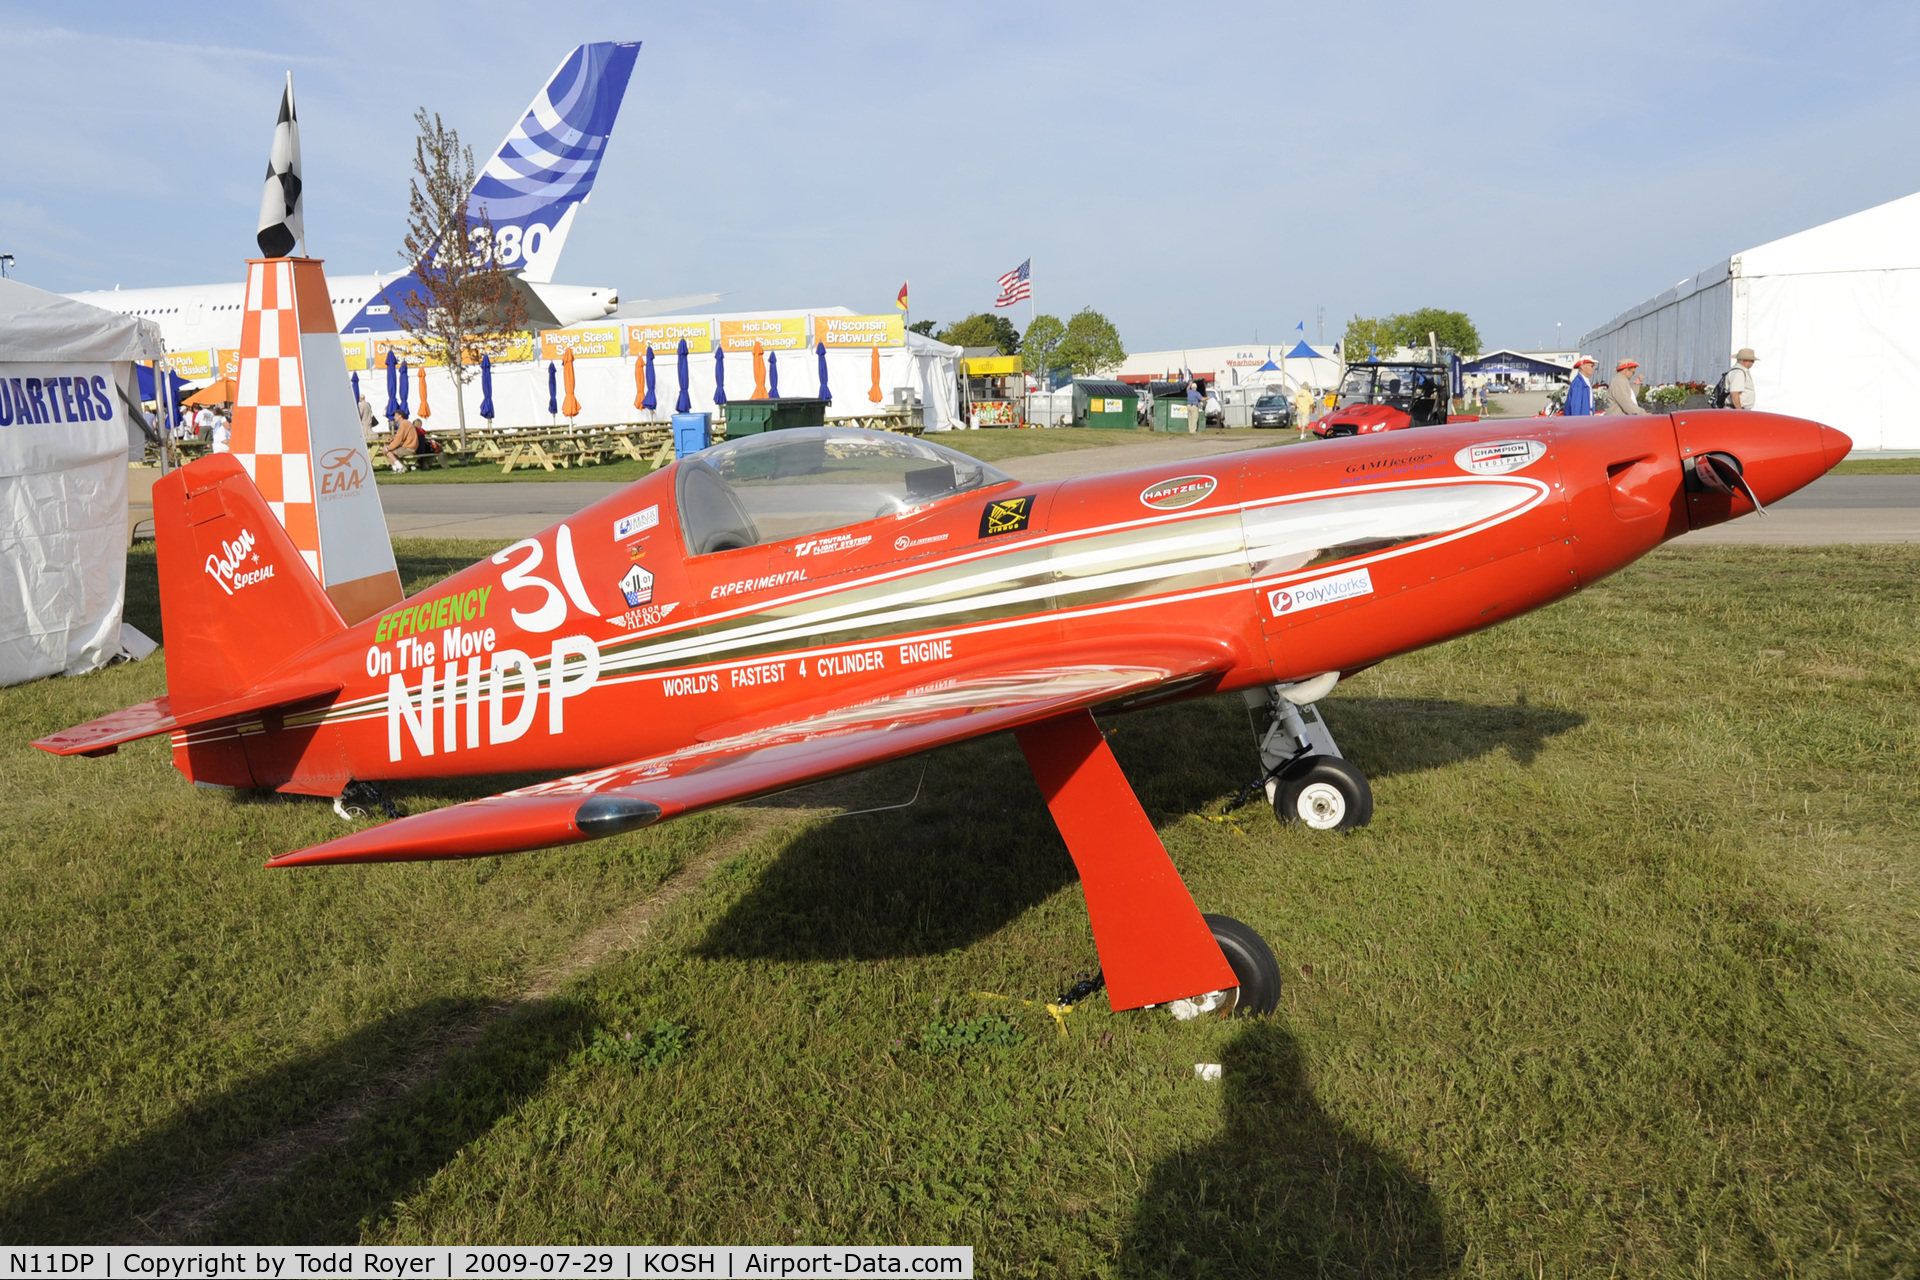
(692, 432)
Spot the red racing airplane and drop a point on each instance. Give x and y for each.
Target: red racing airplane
(794, 605)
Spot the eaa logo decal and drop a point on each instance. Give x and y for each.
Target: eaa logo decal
(1310, 595)
(342, 472)
(237, 565)
(1009, 515)
(1497, 457)
(637, 586)
(1181, 491)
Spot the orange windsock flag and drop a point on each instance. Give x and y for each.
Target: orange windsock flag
(570, 406)
(901, 301)
(873, 392)
(759, 373)
(425, 412)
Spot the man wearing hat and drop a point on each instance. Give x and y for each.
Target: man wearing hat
(1580, 390)
(1622, 397)
(1740, 380)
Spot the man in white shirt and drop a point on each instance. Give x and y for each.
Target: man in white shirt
(203, 422)
(1740, 380)
(222, 434)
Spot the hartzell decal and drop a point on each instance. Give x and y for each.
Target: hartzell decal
(725, 589)
(1181, 491)
(238, 564)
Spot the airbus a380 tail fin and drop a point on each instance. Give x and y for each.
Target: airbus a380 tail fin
(534, 184)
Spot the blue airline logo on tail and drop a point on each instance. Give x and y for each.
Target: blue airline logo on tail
(531, 187)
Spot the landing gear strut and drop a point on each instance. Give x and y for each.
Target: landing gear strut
(1307, 780)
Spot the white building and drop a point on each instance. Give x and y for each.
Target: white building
(1832, 313)
(1235, 366)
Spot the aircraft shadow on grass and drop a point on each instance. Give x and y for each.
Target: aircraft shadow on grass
(179, 1180)
(1284, 1189)
(978, 849)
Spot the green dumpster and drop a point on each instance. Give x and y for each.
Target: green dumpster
(1105, 405)
(751, 417)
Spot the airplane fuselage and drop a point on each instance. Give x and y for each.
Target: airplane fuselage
(604, 639)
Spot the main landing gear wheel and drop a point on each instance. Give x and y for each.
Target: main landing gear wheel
(1322, 792)
(1253, 964)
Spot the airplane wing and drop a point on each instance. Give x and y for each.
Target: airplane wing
(639, 793)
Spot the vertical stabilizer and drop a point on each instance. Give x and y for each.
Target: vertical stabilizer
(532, 186)
(297, 434)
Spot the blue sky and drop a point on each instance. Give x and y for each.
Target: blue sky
(1201, 174)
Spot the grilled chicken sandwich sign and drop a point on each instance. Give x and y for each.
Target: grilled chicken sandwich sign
(800, 604)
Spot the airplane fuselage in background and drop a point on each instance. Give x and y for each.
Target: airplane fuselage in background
(207, 317)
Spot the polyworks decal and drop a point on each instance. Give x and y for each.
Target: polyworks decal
(342, 471)
(1181, 491)
(902, 542)
(239, 564)
(831, 543)
(637, 586)
(1497, 457)
(1009, 515)
(1310, 595)
(639, 522)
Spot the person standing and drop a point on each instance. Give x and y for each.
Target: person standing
(1740, 380)
(366, 420)
(1623, 392)
(1580, 390)
(222, 434)
(1302, 409)
(1193, 406)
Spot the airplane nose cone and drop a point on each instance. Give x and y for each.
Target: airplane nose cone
(1773, 454)
(1838, 445)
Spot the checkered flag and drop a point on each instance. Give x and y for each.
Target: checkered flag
(280, 227)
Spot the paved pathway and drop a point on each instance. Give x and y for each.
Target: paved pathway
(1837, 509)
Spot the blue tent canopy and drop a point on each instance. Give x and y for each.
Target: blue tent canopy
(174, 381)
(1301, 351)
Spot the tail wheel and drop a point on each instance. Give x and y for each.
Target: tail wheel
(1322, 792)
(1252, 961)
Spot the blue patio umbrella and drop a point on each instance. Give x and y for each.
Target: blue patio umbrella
(355, 380)
(553, 388)
(773, 375)
(393, 405)
(685, 403)
(404, 411)
(719, 375)
(820, 349)
(650, 401)
(486, 388)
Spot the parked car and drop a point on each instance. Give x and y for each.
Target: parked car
(1272, 411)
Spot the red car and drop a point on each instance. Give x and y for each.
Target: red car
(1389, 395)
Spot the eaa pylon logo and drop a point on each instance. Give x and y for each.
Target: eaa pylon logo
(342, 471)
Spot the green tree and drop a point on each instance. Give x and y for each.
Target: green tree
(1451, 328)
(983, 330)
(1368, 337)
(1041, 344)
(1090, 344)
(924, 328)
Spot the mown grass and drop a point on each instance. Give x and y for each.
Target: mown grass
(1878, 467)
(1621, 981)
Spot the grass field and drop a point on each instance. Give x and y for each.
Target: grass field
(1621, 981)
(988, 446)
(1878, 467)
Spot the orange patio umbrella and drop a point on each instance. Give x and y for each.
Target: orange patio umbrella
(759, 373)
(225, 391)
(426, 410)
(571, 405)
(639, 382)
(873, 392)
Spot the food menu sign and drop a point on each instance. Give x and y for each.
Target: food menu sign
(860, 331)
(600, 340)
(777, 333)
(664, 336)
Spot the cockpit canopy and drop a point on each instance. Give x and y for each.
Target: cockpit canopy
(783, 484)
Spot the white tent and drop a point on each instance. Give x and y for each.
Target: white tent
(66, 433)
(1833, 313)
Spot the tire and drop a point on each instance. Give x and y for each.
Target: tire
(1324, 793)
(1253, 964)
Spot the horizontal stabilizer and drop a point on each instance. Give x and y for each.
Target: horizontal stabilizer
(624, 797)
(144, 720)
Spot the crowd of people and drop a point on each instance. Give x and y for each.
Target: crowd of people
(1734, 390)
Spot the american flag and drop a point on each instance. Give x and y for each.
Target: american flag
(1016, 285)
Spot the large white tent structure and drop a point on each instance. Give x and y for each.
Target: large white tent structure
(66, 433)
(1832, 313)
